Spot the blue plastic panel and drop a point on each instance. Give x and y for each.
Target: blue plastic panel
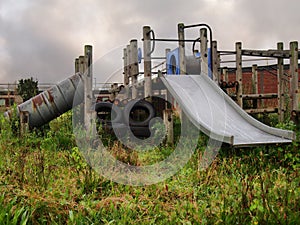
(173, 62)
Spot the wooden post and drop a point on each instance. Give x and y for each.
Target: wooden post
(125, 68)
(112, 93)
(168, 121)
(147, 62)
(81, 65)
(239, 73)
(254, 84)
(134, 67)
(294, 93)
(125, 73)
(215, 62)
(204, 51)
(129, 71)
(76, 65)
(181, 48)
(225, 73)
(281, 88)
(24, 121)
(88, 86)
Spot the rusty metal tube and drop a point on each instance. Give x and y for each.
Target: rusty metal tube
(53, 102)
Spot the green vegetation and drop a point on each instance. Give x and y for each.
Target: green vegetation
(45, 180)
(27, 88)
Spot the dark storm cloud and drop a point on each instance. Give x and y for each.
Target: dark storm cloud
(42, 38)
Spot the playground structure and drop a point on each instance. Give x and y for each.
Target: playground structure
(287, 90)
(59, 98)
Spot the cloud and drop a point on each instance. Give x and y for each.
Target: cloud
(42, 38)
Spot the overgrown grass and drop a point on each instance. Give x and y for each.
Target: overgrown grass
(45, 180)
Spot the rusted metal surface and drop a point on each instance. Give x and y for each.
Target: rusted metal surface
(53, 102)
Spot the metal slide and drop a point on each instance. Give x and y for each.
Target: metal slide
(53, 102)
(217, 115)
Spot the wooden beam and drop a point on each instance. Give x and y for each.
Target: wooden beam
(239, 73)
(88, 89)
(215, 62)
(125, 73)
(267, 53)
(181, 48)
(147, 61)
(204, 51)
(76, 65)
(254, 84)
(295, 77)
(134, 69)
(225, 73)
(265, 110)
(260, 96)
(281, 87)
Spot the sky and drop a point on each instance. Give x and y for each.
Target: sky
(41, 38)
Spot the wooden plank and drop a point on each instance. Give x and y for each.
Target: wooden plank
(88, 89)
(181, 48)
(281, 87)
(260, 96)
(215, 62)
(294, 74)
(239, 73)
(267, 53)
(134, 70)
(147, 61)
(265, 110)
(76, 65)
(204, 51)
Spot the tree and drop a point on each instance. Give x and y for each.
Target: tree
(27, 88)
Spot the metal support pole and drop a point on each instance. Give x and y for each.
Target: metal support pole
(294, 93)
(181, 47)
(204, 51)
(147, 62)
(239, 73)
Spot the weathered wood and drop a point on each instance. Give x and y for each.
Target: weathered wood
(267, 53)
(81, 64)
(181, 43)
(147, 62)
(125, 73)
(225, 74)
(204, 51)
(281, 87)
(260, 96)
(254, 82)
(24, 122)
(88, 86)
(168, 121)
(254, 79)
(215, 62)
(239, 73)
(125, 67)
(294, 92)
(76, 65)
(264, 110)
(134, 67)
